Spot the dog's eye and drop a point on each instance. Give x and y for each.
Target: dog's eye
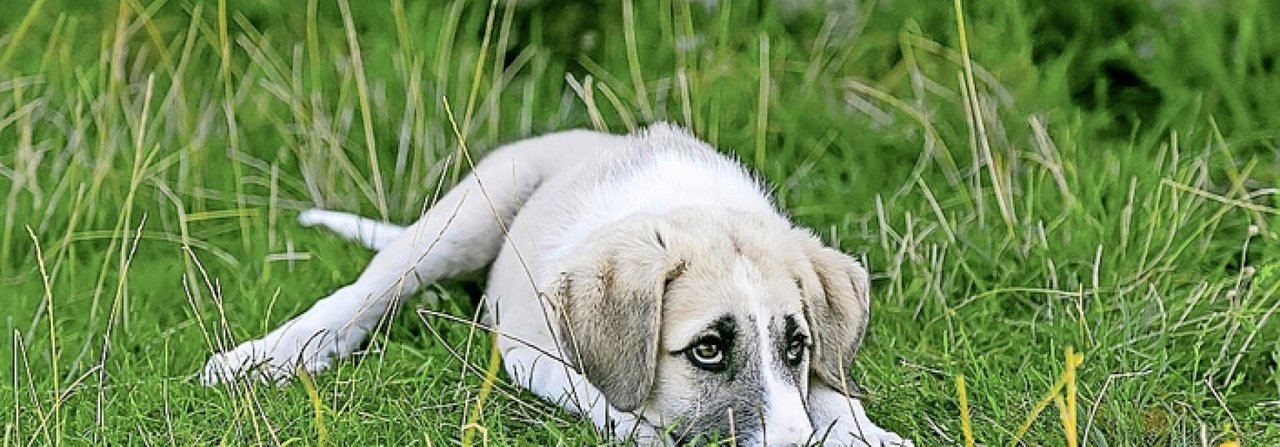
(707, 355)
(795, 350)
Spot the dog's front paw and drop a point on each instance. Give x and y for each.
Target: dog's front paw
(888, 439)
(274, 358)
(866, 436)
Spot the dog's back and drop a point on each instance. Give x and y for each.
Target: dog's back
(651, 172)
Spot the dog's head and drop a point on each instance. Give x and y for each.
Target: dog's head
(712, 323)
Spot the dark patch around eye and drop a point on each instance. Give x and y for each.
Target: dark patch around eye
(727, 328)
(782, 344)
(735, 393)
(723, 332)
(723, 329)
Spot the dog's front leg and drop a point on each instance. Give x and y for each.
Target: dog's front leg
(843, 421)
(451, 238)
(553, 380)
(333, 328)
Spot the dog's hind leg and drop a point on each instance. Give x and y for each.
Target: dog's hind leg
(461, 233)
(367, 232)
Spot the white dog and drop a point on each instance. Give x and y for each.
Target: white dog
(646, 282)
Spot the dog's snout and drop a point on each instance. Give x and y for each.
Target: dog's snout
(787, 423)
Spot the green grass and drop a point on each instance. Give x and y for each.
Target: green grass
(1095, 175)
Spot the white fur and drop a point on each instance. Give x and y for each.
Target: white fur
(785, 420)
(526, 209)
(368, 232)
(845, 422)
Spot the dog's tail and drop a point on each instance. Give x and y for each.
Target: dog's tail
(368, 232)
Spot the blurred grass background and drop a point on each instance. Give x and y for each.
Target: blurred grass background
(1100, 175)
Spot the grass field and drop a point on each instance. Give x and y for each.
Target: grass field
(1023, 179)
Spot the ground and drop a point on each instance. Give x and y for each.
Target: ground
(1025, 179)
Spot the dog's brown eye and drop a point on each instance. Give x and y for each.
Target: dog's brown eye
(706, 355)
(795, 350)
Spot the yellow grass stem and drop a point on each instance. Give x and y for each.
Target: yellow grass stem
(1069, 417)
(1068, 408)
(1003, 197)
(317, 407)
(965, 426)
(490, 375)
(53, 340)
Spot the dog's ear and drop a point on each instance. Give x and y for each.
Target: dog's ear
(610, 306)
(837, 292)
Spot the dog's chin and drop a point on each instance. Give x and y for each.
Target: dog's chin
(711, 436)
(693, 434)
(712, 426)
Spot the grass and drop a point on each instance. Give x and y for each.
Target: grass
(1024, 179)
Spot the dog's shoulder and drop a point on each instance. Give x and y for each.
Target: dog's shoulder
(664, 137)
(663, 153)
(654, 171)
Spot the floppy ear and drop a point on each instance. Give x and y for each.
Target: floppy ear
(838, 308)
(610, 306)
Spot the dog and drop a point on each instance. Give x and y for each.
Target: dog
(644, 281)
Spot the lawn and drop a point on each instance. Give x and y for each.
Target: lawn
(1025, 179)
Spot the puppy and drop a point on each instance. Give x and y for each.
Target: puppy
(645, 281)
